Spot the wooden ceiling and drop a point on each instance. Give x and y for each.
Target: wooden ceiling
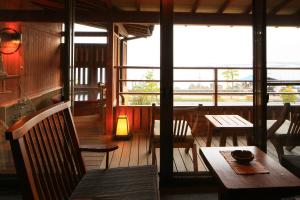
(280, 7)
(138, 16)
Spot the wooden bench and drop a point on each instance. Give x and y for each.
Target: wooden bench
(49, 164)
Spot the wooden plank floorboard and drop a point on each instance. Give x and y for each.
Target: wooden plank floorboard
(201, 142)
(178, 160)
(143, 154)
(187, 160)
(115, 162)
(134, 153)
(125, 156)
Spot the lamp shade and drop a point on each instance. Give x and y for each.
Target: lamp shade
(122, 126)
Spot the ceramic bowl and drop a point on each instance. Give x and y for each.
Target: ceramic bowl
(242, 156)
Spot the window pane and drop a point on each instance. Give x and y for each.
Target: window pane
(140, 99)
(194, 87)
(278, 99)
(284, 74)
(143, 74)
(236, 100)
(235, 87)
(193, 100)
(193, 74)
(235, 74)
(130, 86)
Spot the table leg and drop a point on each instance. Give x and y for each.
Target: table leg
(222, 140)
(209, 135)
(107, 160)
(234, 140)
(249, 138)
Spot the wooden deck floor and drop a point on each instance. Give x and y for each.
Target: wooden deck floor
(135, 153)
(130, 153)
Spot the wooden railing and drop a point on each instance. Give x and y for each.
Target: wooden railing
(139, 116)
(215, 92)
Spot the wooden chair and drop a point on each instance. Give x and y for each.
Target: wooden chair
(185, 121)
(285, 132)
(48, 161)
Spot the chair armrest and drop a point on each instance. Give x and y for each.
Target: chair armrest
(107, 147)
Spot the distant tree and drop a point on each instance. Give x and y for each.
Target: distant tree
(145, 87)
(230, 74)
(288, 98)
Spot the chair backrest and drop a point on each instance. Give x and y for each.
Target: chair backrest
(283, 116)
(184, 118)
(294, 128)
(46, 153)
(288, 126)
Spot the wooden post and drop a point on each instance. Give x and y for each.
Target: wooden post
(166, 91)
(260, 74)
(68, 52)
(109, 80)
(216, 87)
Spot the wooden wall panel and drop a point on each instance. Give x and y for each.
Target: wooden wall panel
(37, 62)
(41, 48)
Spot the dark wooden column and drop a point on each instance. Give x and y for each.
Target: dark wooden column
(260, 73)
(166, 91)
(109, 80)
(68, 52)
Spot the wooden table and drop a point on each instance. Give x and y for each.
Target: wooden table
(228, 125)
(278, 183)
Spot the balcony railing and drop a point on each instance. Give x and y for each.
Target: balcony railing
(216, 84)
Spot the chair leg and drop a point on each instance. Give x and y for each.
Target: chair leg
(234, 140)
(195, 161)
(153, 156)
(222, 140)
(187, 150)
(150, 146)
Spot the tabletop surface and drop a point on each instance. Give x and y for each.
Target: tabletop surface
(279, 177)
(229, 121)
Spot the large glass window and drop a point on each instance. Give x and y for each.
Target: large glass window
(283, 65)
(213, 66)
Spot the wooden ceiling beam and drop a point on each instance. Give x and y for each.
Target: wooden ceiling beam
(145, 17)
(31, 16)
(279, 6)
(91, 34)
(48, 4)
(188, 18)
(223, 6)
(195, 6)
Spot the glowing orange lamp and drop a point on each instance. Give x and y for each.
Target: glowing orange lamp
(122, 130)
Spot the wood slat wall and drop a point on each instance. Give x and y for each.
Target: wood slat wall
(37, 62)
(139, 116)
